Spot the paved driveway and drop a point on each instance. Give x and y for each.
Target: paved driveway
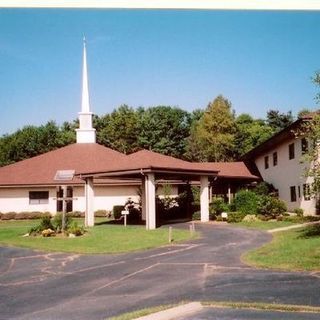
(36, 285)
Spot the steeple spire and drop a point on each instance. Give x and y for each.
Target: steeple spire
(86, 133)
(85, 104)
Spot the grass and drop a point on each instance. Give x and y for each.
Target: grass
(297, 249)
(101, 238)
(223, 304)
(264, 225)
(262, 306)
(143, 312)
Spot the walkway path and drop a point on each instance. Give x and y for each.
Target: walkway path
(296, 226)
(36, 285)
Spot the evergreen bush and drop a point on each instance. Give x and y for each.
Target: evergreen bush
(246, 202)
(116, 211)
(272, 207)
(298, 212)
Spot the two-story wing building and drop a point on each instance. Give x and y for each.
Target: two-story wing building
(280, 162)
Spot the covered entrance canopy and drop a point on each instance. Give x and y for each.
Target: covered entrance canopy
(149, 167)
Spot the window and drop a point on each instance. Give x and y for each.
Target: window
(304, 146)
(38, 197)
(293, 194)
(306, 191)
(291, 151)
(266, 162)
(275, 158)
(299, 192)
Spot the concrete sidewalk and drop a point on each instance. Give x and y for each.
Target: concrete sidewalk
(173, 313)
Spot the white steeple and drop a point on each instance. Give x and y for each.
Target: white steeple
(85, 133)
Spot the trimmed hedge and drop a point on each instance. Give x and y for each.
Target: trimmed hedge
(102, 213)
(24, 215)
(117, 212)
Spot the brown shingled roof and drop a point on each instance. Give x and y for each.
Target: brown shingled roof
(231, 169)
(92, 158)
(150, 161)
(41, 170)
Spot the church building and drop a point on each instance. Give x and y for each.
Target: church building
(86, 176)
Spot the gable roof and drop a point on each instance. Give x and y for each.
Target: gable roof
(278, 138)
(41, 170)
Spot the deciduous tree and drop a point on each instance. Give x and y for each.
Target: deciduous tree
(213, 135)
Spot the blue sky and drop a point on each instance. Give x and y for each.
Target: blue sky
(257, 59)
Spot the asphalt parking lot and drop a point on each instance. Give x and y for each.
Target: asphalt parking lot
(38, 285)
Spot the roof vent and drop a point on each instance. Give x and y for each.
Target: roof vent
(65, 175)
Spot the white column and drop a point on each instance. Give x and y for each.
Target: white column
(204, 198)
(229, 194)
(143, 198)
(89, 194)
(64, 207)
(64, 202)
(150, 193)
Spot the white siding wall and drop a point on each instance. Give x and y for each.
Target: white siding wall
(105, 197)
(287, 173)
(17, 200)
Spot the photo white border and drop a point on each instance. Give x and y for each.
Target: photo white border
(168, 4)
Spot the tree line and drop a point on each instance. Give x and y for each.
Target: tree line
(215, 133)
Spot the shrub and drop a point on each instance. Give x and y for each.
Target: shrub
(102, 213)
(24, 215)
(234, 217)
(250, 218)
(44, 224)
(8, 215)
(298, 212)
(246, 202)
(272, 207)
(75, 229)
(76, 214)
(196, 216)
(134, 215)
(116, 211)
(57, 221)
(185, 200)
(32, 215)
(217, 206)
(264, 188)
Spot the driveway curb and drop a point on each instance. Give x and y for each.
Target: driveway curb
(172, 313)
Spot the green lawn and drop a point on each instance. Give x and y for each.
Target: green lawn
(104, 238)
(290, 250)
(264, 225)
